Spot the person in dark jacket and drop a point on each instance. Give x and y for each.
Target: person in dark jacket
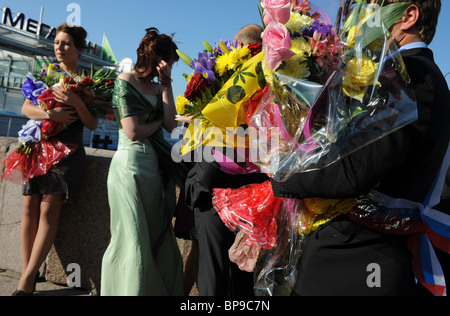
(402, 165)
(444, 206)
(217, 275)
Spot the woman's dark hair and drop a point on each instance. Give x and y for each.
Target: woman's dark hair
(78, 34)
(154, 47)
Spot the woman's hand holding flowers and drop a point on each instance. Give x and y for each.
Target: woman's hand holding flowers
(63, 115)
(68, 97)
(71, 99)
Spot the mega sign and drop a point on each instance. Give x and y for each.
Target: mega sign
(28, 25)
(31, 26)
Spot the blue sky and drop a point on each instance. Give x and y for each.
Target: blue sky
(193, 22)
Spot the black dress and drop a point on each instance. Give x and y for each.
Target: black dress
(63, 178)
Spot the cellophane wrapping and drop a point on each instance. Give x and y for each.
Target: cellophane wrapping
(276, 269)
(345, 97)
(329, 112)
(328, 94)
(252, 209)
(36, 155)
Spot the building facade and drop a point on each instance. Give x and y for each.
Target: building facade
(26, 46)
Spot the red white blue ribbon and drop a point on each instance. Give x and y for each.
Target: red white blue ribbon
(436, 232)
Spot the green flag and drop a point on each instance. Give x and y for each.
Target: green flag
(107, 54)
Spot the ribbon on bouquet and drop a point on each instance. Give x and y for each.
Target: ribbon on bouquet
(231, 166)
(38, 150)
(426, 226)
(30, 132)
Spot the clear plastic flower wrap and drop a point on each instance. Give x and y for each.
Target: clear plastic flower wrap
(328, 94)
(252, 209)
(401, 219)
(276, 269)
(337, 94)
(39, 150)
(268, 234)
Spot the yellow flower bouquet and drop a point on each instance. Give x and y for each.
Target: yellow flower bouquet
(224, 78)
(328, 94)
(337, 90)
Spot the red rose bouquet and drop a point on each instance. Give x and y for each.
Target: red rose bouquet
(39, 148)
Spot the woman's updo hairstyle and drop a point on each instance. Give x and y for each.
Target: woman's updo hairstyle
(77, 33)
(154, 47)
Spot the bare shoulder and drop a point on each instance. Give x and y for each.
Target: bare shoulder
(129, 76)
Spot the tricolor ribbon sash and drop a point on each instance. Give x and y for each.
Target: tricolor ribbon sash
(426, 226)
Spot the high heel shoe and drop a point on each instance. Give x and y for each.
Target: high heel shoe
(23, 293)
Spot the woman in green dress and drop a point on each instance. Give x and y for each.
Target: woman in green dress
(143, 258)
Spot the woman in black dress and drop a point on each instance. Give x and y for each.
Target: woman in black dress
(44, 196)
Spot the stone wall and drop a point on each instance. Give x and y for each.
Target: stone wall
(83, 234)
(10, 217)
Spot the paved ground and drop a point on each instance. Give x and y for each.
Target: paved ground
(9, 281)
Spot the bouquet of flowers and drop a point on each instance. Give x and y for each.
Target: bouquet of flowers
(328, 94)
(223, 79)
(95, 89)
(39, 149)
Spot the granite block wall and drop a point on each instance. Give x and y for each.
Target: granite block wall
(83, 234)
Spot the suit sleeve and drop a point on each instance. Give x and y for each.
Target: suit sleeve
(204, 177)
(353, 176)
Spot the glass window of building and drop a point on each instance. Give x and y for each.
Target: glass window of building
(4, 67)
(18, 73)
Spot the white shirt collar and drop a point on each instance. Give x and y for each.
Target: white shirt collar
(413, 46)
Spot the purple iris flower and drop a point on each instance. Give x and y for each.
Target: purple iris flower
(229, 43)
(206, 61)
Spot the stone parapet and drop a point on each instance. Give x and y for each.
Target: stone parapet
(10, 216)
(83, 234)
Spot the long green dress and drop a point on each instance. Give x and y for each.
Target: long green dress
(142, 258)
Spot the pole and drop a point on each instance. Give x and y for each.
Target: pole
(38, 33)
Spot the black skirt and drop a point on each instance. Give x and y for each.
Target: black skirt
(63, 178)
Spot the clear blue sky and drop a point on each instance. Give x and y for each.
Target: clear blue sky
(193, 22)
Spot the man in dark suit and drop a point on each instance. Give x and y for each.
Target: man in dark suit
(402, 165)
(444, 206)
(217, 275)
